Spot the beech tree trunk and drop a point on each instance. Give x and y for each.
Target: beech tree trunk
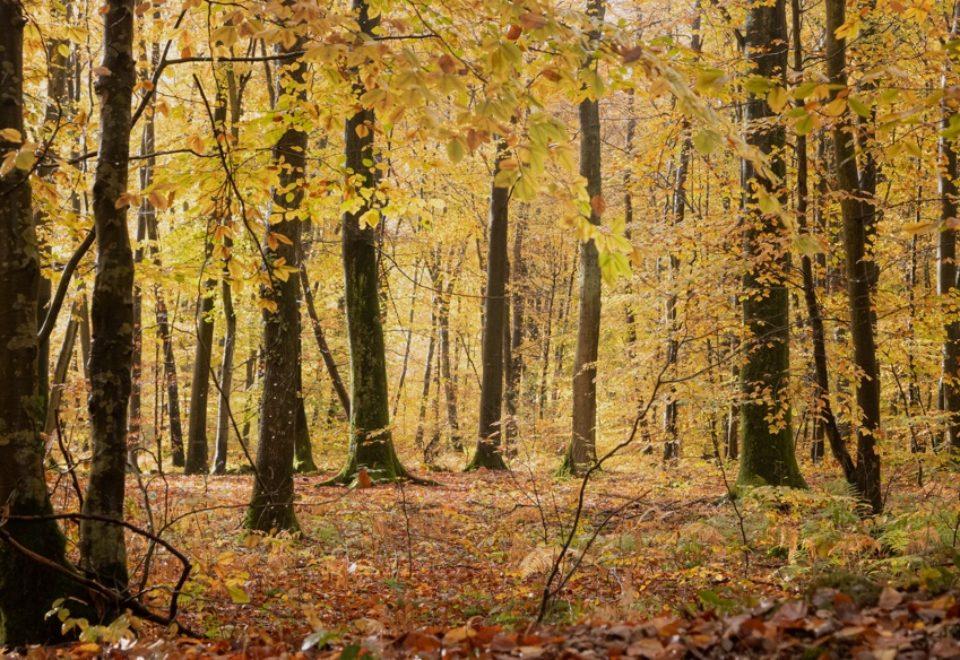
(169, 362)
(331, 364)
(27, 588)
(488, 453)
(947, 272)
(859, 273)
(102, 548)
(582, 449)
(196, 462)
(766, 453)
(825, 420)
(281, 414)
(371, 441)
(222, 442)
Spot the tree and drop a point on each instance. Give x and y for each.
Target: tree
(271, 506)
(102, 548)
(858, 269)
(767, 453)
(947, 272)
(490, 434)
(27, 588)
(582, 449)
(371, 441)
(196, 462)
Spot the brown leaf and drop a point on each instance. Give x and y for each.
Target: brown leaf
(598, 204)
(889, 598)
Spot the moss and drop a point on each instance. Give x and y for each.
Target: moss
(29, 589)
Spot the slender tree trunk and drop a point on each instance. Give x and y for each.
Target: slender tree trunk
(859, 273)
(545, 348)
(371, 441)
(582, 449)
(303, 448)
(427, 377)
(143, 218)
(408, 343)
(767, 451)
(513, 336)
(281, 413)
(59, 380)
(226, 295)
(27, 588)
(57, 111)
(824, 417)
(226, 375)
(489, 435)
(196, 462)
(102, 549)
(947, 272)
(331, 364)
(447, 374)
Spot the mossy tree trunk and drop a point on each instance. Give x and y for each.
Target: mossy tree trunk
(371, 441)
(582, 449)
(947, 280)
(197, 450)
(860, 272)
(281, 414)
(27, 589)
(102, 548)
(489, 452)
(767, 452)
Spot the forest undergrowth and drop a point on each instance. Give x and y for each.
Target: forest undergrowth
(472, 553)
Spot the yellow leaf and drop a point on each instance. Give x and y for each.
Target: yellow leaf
(11, 135)
(915, 228)
(777, 99)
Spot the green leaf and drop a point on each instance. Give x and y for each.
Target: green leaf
(456, 150)
(706, 141)
(858, 106)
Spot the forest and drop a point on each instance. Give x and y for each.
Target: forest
(480, 328)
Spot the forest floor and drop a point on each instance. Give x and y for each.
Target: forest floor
(461, 566)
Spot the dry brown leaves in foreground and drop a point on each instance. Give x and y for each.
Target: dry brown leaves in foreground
(829, 625)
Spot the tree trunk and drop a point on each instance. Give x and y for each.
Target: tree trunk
(947, 272)
(136, 373)
(331, 364)
(427, 378)
(488, 453)
(226, 375)
(226, 295)
(102, 549)
(371, 441)
(59, 380)
(27, 588)
(446, 372)
(196, 462)
(767, 453)
(513, 338)
(271, 506)
(582, 449)
(859, 272)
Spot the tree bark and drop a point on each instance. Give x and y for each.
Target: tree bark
(331, 364)
(859, 272)
(371, 441)
(488, 453)
(196, 462)
(102, 549)
(582, 449)
(27, 589)
(824, 416)
(947, 272)
(767, 453)
(281, 414)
